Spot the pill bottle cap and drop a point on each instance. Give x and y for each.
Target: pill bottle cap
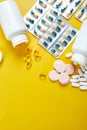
(19, 39)
(79, 59)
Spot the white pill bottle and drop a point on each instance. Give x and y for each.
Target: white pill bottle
(80, 46)
(12, 23)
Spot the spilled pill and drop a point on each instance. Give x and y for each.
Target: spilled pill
(1, 57)
(64, 78)
(69, 55)
(76, 76)
(80, 72)
(69, 69)
(74, 80)
(82, 79)
(75, 85)
(83, 87)
(59, 66)
(53, 75)
(83, 83)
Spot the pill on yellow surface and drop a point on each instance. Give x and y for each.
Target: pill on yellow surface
(1, 57)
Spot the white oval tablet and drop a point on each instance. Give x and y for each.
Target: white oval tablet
(76, 76)
(82, 79)
(74, 80)
(83, 88)
(75, 85)
(53, 75)
(83, 83)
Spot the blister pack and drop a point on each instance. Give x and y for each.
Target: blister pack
(58, 37)
(35, 14)
(67, 7)
(45, 22)
(82, 13)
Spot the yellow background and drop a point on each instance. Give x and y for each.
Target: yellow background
(28, 103)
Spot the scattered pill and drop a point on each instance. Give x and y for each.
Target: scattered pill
(64, 79)
(83, 88)
(83, 68)
(53, 75)
(83, 83)
(59, 66)
(69, 69)
(69, 55)
(76, 76)
(82, 79)
(42, 76)
(1, 57)
(74, 80)
(80, 72)
(75, 85)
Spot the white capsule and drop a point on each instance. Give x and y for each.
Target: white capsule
(80, 72)
(69, 55)
(76, 76)
(1, 57)
(83, 83)
(82, 79)
(75, 85)
(83, 68)
(85, 75)
(83, 87)
(74, 80)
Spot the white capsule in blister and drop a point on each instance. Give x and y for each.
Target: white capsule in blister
(82, 79)
(76, 76)
(75, 85)
(80, 72)
(85, 75)
(74, 80)
(83, 87)
(83, 83)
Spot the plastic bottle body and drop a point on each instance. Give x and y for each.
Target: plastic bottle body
(80, 46)
(12, 22)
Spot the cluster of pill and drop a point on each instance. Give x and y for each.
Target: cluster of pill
(28, 57)
(66, 7)
(61, 72)
(80, 80)
(45, 22)
(35, 14)
(82, 13)
(58, 37)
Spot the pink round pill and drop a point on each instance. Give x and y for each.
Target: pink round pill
(59, 66)
(53, 75)
(64, 79)
(69, 69)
